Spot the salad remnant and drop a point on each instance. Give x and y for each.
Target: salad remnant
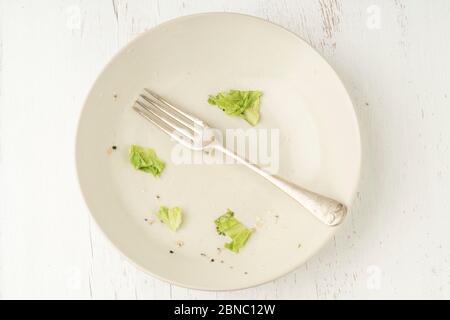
(172, 217)
(145, 159)
(244, 104)
(228, 225)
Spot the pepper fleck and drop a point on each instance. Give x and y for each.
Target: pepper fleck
(114, 147)
(212, 260)
(171, 251)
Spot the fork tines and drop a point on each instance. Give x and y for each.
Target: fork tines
(167, 117)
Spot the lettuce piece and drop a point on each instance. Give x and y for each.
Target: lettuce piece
(227, 225)
(244, 104)
(172, 217)
(145, 159)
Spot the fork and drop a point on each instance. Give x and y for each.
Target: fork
(186, 129)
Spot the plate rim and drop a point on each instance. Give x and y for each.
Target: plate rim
(123, 49)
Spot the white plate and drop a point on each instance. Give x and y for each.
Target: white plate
(185, 60)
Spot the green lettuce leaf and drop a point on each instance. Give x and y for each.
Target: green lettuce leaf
(244, 104)
(172, 217)
(227, 225)
(145, 159)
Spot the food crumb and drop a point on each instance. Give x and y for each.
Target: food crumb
(110, 150)
(203, 254)
(158, 196)
(171, 252)
(115, 95)
(179, 243)
(259, 222)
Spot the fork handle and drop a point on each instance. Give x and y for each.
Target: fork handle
(327, 210)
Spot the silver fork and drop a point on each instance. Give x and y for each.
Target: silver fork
(186, 129)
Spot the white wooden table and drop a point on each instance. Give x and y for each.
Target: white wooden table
(393, 56)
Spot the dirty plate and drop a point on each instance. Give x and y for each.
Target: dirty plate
(185, 60)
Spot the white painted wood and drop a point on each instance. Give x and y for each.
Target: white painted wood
(391, 55)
